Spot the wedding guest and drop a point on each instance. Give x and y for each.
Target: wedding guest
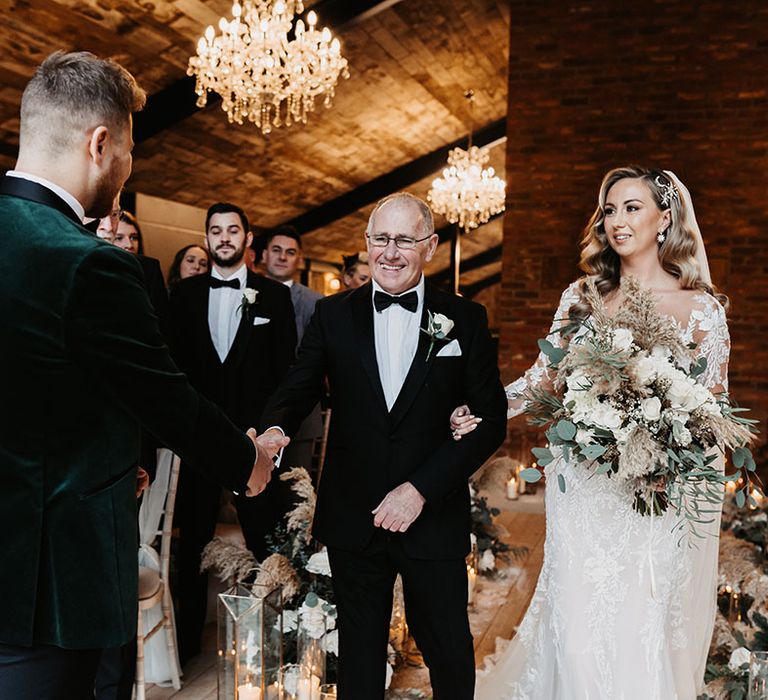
(281, 257)
(106, 226)
(191, 260)
(234, 335)
(356, 270)
(128, 234)
(78, 381)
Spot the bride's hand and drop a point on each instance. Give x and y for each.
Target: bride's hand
(463, 422)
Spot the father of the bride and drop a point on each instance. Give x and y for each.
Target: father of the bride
(393, 496)
(82, 367)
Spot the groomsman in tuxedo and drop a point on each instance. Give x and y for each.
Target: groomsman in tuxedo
(393, 496)
(82, 368)
(233, 333)
(281, 258)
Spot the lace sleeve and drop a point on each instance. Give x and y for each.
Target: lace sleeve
(709, 330)
(538, 376)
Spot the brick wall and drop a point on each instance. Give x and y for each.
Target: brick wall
(595, 85)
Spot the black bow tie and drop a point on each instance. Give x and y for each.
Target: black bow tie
(410, 301)
(216, 283)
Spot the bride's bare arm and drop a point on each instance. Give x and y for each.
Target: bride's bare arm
(538, 375)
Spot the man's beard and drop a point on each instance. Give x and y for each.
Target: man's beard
(107, 188)
(236, 257)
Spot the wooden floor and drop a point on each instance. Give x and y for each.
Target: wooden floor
(500, 605)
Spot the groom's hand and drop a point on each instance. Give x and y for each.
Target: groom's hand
(267, 446)
(399, 509)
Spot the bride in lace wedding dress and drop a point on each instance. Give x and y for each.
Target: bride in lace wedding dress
(623, 608)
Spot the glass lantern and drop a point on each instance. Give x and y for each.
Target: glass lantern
(250, 648)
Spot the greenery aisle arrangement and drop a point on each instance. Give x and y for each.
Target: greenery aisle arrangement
(626, 405)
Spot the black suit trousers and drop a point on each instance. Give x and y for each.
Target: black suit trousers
(196, 514)
(47, 673)
(435, 593)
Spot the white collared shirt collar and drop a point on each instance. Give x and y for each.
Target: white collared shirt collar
(71, 200)
(240, 274)
(419, 289)
(288, 283)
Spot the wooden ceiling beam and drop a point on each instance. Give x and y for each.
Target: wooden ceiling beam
(175, 103)
(393, 181)
(487, 257)
(471, 290)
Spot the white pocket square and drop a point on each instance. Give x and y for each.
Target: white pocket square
(260, 320)
(453, 349)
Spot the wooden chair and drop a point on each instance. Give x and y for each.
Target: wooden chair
(154, 589)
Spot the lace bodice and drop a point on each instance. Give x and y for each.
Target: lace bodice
(706, 327)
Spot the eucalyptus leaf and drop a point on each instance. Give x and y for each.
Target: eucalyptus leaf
(740, 457)
(603, 468)
(530, 475)
(543, 455)
(561, 482)
(566, 430)
(740, 499)
(593, 451)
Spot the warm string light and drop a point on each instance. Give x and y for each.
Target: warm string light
(261, 76)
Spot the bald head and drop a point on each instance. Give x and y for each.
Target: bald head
(426, 224)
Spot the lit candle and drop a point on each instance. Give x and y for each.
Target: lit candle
(512, 487)
(309, 688)
(248, 692)
(730, 487)
(471, 580)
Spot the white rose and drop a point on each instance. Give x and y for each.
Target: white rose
(318, 563)
(681, 435)
(651, 408)
(645, 370)
(622, 339)
(739, 657)
(332, 642)
(681, 395)
(487, 561)
(250, 295)
(606, 416)
(290, 620)
(660, 352)
(583, 437)
(442, 325)
(314, 620)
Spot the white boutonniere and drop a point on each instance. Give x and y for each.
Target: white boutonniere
(438, 328)
(247, 300)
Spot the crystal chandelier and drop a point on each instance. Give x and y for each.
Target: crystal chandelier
(261, 75)
(467, 193)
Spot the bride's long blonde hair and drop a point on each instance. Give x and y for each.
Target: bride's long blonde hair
(677, 254)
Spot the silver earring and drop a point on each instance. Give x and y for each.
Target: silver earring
(661, 236)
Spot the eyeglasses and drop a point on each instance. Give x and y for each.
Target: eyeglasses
(379, 240)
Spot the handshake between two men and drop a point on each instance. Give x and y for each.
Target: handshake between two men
(268, 446)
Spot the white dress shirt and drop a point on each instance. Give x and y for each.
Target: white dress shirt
(396, 331)
(53, 187)
(224, 311)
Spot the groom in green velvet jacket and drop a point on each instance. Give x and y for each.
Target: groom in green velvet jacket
(82, 368)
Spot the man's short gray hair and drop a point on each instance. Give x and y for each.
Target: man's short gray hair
(426, 221)
(74, 92)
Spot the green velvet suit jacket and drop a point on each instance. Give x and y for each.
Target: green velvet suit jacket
(83, 366)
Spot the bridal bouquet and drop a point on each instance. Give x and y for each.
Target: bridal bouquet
(627, 406)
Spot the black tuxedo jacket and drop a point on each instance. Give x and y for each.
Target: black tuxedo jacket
(372, 450)
(260, 354)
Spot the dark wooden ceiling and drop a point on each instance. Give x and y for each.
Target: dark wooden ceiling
(410, 62)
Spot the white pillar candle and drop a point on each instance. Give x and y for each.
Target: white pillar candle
(512, 494)
(471, 580)
(248, 691)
